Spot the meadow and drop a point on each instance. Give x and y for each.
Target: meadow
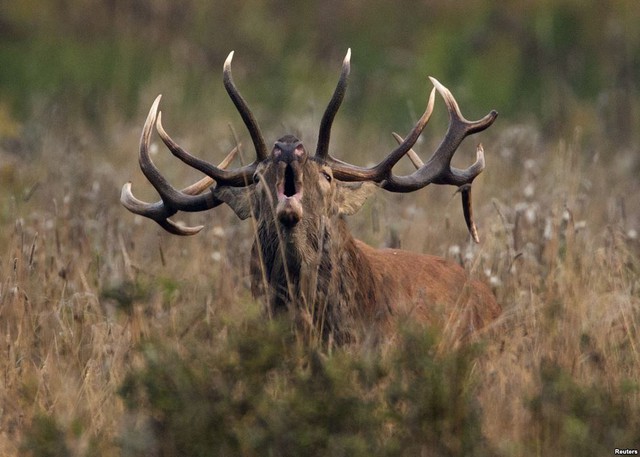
(120, 339)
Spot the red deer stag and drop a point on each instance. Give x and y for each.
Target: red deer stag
(304, 259)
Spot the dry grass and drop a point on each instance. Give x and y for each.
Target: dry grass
(86, 289)
(569, 274)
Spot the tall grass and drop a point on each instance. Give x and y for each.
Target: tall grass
(569, 359)
(121, 340)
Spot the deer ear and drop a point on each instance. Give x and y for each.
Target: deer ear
(238, 198)
(350, 196)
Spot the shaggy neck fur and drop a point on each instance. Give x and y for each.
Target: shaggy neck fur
(324, 280)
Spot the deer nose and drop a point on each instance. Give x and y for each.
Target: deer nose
(289, 149)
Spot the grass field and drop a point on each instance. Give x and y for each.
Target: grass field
(119, 339)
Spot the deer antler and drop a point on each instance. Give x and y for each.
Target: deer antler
(246, 114)
(348, 172)
(322, 150)
(192, 198)
(438, 168)
(465, 189)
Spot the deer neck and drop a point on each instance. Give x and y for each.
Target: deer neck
(322, 271)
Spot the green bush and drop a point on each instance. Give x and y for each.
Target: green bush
(574, 419)
(263, 392)
(45, 438)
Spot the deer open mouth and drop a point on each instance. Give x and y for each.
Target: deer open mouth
(289, 190)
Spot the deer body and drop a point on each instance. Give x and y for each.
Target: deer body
(304, 259)
(355, 288)
(432, 290)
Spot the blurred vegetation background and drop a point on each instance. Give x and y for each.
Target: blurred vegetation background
(560, 63)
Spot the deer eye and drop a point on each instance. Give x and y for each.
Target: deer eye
(327, 176)
(256, 178)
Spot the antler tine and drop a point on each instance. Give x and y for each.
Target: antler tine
(413, 156)
(348, 172)
(237, 178)
(173, 200)
(246, 114)
(470, 127)
(389, 162)
(465, 192)
(324, 135)
(206, 182)
(467, 210)
(156, 211)
(380, 172)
